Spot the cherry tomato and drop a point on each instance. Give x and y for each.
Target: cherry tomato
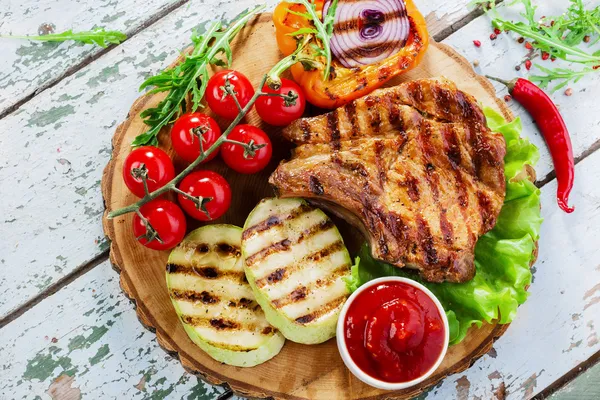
(166, 220)
(214, 190)
(240, 159)
(186, 144)
(152, 161)
(224, 106)
(273, 110)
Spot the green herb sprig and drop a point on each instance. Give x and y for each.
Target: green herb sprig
(322, 30)
(100, 37)
(559, 36)
(190, 76)
(200, 202)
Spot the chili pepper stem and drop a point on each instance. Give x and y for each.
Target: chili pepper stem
(509, 84)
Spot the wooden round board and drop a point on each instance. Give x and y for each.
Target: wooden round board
(299, 371)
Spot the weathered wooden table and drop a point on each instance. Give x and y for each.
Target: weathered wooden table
(67, 331)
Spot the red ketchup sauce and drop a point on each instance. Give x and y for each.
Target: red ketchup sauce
(394, 332)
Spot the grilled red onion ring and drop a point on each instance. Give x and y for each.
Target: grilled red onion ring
(368, 31)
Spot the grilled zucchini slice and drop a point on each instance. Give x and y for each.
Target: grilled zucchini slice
(213, 300)
(295, 261)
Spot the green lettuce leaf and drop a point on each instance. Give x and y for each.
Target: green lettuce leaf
(502, 256)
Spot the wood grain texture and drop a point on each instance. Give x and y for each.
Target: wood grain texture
(298, 372)
(56, 134)
(541, 345)
(52, 167)
(85, 342)
(55, 147)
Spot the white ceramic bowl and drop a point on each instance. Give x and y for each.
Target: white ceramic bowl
(341, 340)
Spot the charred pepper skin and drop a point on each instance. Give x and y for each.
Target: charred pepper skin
(555, 132)
(347, 84)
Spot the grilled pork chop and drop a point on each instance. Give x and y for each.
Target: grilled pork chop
(414, 166)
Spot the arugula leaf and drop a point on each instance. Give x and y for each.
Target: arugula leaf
(323, 30)
(559, 36)
(561, 74)
(190, 76)
(98, 36)
(502, 256)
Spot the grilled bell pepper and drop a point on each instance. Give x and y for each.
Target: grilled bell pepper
(346, 84)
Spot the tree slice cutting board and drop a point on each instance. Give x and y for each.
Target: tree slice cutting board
(299, 371)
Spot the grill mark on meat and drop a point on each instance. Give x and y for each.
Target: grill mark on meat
(485, 211)
(452, 150)
(393, 111)
(433, 179)
(381, 171)
(427, 153)
(350, 110)
(461, 141)
(315, 186)
(416, 92)
(275, 220)
(305, 127)
(446, 228)
(465, 107)
(332, 126)
(426, 242)
(374, 114)
(451, 147)
(443, 98)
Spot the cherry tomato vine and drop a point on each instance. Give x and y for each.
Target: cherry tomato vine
(198, 201)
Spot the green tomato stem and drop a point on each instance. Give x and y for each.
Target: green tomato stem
(172, 185)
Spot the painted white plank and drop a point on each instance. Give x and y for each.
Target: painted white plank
(25, 65)
(499, 58)
(52, 167)
(557, 328)
(99, 341)
(86, 341)
(55, 147)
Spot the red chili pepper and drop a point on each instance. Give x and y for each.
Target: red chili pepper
(545, 56)
(555, 132)
(528, 64)
(477, 43)
(528, 46)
